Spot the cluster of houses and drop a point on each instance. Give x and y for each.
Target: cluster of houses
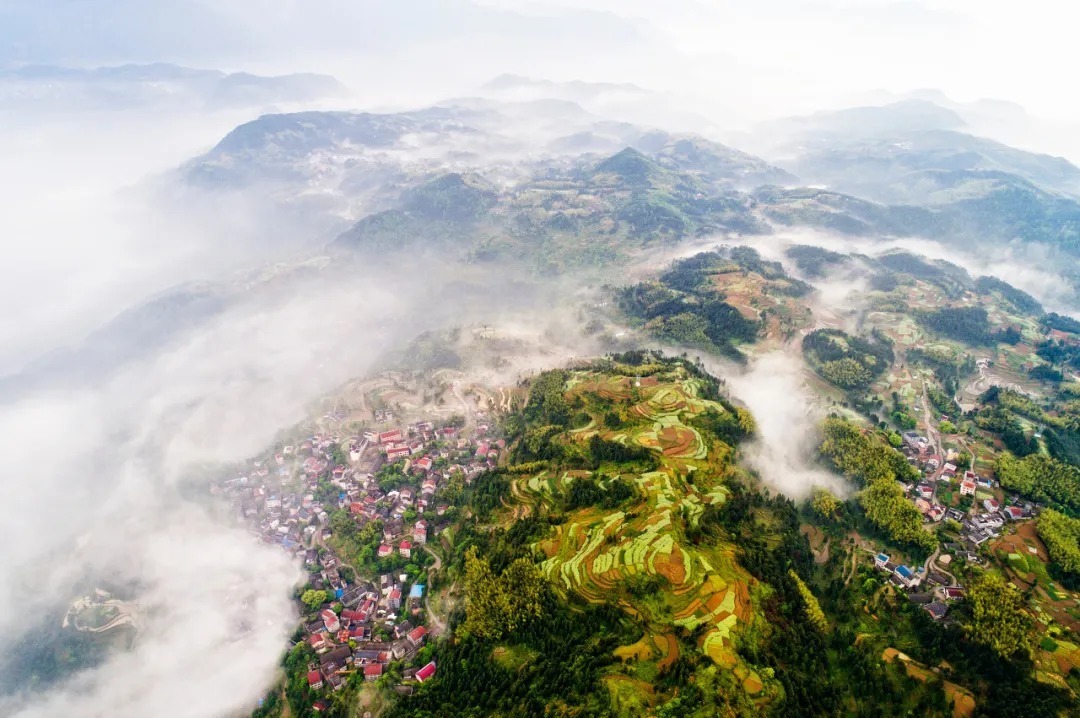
(943, 589)
(980, 527)
(278, 496)
(373, 628)
(940, 472)
(286, 499)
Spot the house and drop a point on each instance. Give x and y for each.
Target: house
(336, 659)
(405, 548)
(416, 635)
(952, 593)
(907, 576)
(420, 532)
(330, 620)
(936, 513)
(388, 437)
(314, 680)
(991, 505)
(880, 560)
(1014, 513)
(949, 469)
(372, 671)
(426, 672)
(353, 616)
(937, 610)
(967, 487)
(394, 599)
(385, 550)
(320, 642)
(397, 452)
(423, 464)
(926, 491)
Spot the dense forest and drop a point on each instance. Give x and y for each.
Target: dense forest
(848, 361)
(1042, 478)
(682, 309)
(877, 468)
(814, 261)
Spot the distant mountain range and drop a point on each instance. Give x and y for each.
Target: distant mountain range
(570, 191)
(159, 85)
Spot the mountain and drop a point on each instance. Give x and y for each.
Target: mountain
(158, 86)
(893, 118)
(927, 167)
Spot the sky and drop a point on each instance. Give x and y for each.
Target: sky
(95, 477)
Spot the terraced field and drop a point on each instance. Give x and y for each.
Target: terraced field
(638, 556)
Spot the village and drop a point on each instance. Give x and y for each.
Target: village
(389, 492)
(949, 497)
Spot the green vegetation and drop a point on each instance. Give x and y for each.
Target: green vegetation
(825, 504)
(313, 599)
(1061, 323)
(849, 362)
(877, 468)
(683, 309)
(970, 325)
(814, 261)
(497, 605)
(1061, 534)
(998, 620)
(1021, 300)
(813, 610)
(1041, 478)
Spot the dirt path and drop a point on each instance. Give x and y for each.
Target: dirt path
(931, 432)
(823, 554)
(437, 623)
(470, 415)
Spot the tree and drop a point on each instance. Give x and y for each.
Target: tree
(313, 599)
(824, 503)
(998, 619)
(813, 610)
(495, 606)
(1061, 535)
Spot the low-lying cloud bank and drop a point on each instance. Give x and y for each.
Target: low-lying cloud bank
(774, 390)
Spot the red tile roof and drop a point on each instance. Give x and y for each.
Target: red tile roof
(314, 678)
(426, 672)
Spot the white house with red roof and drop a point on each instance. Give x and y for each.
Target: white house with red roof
(330, 620)
(314, 679)
(372, 671)
(967, 487)
(392, 435)
(397, 452)
(1013, 513)
(320, 642)
(385, 550)
(416, 635)
(405, 548)
(420, 532)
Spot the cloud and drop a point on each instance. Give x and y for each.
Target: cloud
(774, 390)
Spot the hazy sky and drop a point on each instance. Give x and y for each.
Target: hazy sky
(816, 50)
